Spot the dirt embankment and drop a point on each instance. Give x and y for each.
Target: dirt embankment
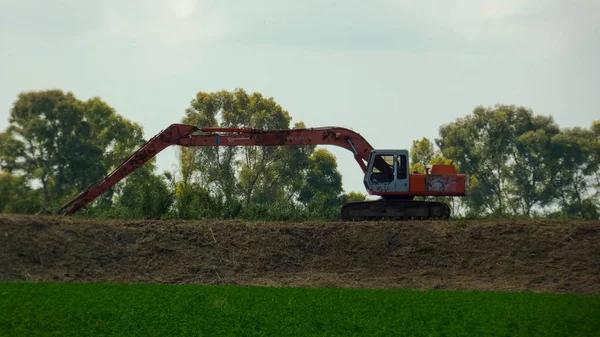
(515, 255)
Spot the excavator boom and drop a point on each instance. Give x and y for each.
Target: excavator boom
(184, 135)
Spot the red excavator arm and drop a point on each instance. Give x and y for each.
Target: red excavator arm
(183, 135)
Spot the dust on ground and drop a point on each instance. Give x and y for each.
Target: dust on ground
(499, 255)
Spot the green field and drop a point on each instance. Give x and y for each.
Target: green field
(42, 309)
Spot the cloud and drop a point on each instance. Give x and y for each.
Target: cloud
(191, 21)
(48, 19)
(340, 30)
(181, 8)
(533, 26)
(536, 27)
(153, 20)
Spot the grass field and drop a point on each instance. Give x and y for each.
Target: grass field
(68, 309)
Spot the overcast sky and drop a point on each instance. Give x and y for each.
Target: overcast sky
(393, 71)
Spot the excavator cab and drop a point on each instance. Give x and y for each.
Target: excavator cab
(388, 171)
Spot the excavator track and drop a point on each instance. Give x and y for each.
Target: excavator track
(395, 210)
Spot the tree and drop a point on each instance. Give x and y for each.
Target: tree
(576, 150)
(506, 150)
(64, 143)
(11, 150)
(144, 194)
(241, 176)
(421, 154)
(115, 135)
(460, 141)
(321, 192)
(533, 167)
(193, 201)
(16, 196)
(596, 157)
(322, 176)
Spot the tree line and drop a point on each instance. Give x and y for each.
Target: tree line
(55, 145)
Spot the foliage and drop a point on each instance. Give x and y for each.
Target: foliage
(144, 195)
(54, 309)
(63, 143)
(193, 201)
(533, 173)
(354, 196)
(519, 162)
(252, 171)
(576, 152)
(16, 196)
(322, 177)
(422, 153)
(254, 182)
(11, 150)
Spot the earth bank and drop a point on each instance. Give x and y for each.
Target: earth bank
(499, 255)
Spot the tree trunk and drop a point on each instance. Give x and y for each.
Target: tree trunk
(45, 190)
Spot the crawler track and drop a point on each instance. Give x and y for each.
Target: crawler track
(395, 210)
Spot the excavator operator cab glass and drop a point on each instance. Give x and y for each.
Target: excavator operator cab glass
(387, 171)
(384, 172)
(402, 165)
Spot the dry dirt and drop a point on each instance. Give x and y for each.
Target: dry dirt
(507, 255)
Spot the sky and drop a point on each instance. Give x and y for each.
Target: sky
(393, 71)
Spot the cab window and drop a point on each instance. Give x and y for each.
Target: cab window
(383, 169)
(402, 166)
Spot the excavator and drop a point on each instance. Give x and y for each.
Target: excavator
(386, 172)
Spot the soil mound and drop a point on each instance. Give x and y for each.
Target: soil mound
(506, 255)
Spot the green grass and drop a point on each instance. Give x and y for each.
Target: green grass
(41, 309)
